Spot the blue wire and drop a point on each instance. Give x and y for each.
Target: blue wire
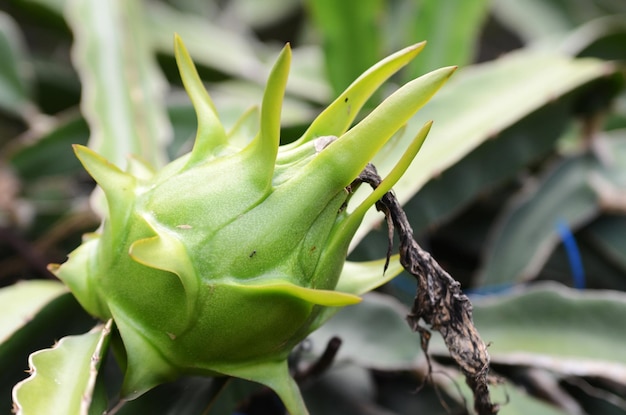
(573, 253)
(573, 256)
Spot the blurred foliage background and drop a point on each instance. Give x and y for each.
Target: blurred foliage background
(519, 191)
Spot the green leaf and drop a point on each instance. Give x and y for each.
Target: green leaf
(493, 163)
(33, 314)
(20, 302)
(51, 152)
(259, 15)
(233, 54)
(512, 399)
(607, 236)
(63, 378)
(14, 85)
(538, 20)
(450, 27)
(517, 401)
(476, 105)
(527, 231)
(360, 328)
(122, 87)
(602, 37)
(613, 154)
(351, 37)
(533, 20)
(553, 327)
(487, 98)
(228, 51)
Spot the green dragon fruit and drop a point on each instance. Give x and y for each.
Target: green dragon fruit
(224, 260)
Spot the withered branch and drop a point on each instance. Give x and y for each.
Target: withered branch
(439, 301)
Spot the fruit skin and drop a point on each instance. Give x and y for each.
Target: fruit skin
(225, 259)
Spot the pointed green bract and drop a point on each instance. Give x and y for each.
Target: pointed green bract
(274, 374)
(338, 116)
(272, 105)
(146, 367)
(264, 147)
(167, 253)
(361, 277)
(73, 273)
(327, 298)
(395, 174)
(349, 154)
(117, 185)
(211, 135)
(241, 242)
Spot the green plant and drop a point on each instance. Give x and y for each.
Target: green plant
(230, 256)
(515, 165)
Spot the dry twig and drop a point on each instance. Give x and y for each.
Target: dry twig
(439, 301)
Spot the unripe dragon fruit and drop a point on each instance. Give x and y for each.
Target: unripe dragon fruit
(224, 260)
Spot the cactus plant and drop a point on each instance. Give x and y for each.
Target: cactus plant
(224, 260)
